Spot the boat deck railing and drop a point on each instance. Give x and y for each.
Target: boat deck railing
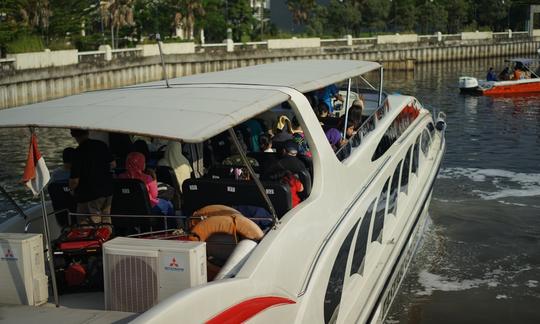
(367, 127)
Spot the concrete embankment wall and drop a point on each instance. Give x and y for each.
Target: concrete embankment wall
(20, 87)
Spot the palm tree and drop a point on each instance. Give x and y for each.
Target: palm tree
(34, 13)
(300, 10)
(117, 14)
(185, 16)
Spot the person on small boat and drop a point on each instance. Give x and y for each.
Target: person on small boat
(91, 177)
(505, 74)
(62, 173)
(135, 166)
(491, 76)
(174, 159)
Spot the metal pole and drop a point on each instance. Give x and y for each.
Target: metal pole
(347, 107)
(158, 38)
(46, 232)
(254, 176)
(381, 85)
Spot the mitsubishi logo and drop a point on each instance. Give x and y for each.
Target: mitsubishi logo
(173, 263)
(9, 254)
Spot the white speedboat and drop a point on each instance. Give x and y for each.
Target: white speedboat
(338, 256)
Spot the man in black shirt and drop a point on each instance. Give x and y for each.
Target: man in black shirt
(91, 177)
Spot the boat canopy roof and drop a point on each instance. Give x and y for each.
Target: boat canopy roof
(522, 60)
(194, 109)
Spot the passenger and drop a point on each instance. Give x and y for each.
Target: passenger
(135, 166)
(120, 145)
(255, 130)
(491, 75)
(283, 131)
(270, 157)
(299, 138)
(62, 173)
(289, 159)
(326, 95)
(279, 173)
(141, 146)
(505, 74)
(91, 178)
(334, 138)
(174, 159)
(194, 153)
(323, 110)
(235, 159)
(265, 143)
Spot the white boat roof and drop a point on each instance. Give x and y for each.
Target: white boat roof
(194, 109)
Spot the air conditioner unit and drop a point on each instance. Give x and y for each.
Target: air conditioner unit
(22, 269)
(139, 273)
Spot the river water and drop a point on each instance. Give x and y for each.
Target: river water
(479, 261)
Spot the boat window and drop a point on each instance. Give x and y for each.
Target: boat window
(398, 127)
(416, 155)
(392, 203)
(334, 287)
(426, 142)
(361, 242)
(431, 128)
(378, 222)
(405, 172)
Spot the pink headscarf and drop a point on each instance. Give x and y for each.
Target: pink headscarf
(135, 164)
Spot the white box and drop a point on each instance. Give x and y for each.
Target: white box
(22, 269)
(139, 273)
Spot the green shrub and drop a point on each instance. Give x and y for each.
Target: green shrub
(25, 44)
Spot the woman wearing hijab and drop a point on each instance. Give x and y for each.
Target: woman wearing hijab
(135, 165)
(174, 159)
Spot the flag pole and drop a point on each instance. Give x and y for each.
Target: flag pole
(46, 231)
(47, 234)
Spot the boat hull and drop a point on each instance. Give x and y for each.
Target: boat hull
(513, 87)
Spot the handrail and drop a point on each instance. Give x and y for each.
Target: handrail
(367, 126)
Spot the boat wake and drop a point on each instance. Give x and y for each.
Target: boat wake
(495, 184)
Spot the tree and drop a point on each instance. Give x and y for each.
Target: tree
(434, 16)
(117, 14)
(240, 19)
(68, 16)
(300, 10)
(403, 15)
(185, 14)
(458, 12)
(344, 17)
(375, 14)
(214, 22)
(493, 13)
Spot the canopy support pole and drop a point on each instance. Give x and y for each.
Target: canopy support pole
(158, 39)
(381, 86)
(347, 107)
(255, 178)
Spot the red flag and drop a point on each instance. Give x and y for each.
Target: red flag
(36, 174)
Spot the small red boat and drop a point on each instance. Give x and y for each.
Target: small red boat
(523, 79)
